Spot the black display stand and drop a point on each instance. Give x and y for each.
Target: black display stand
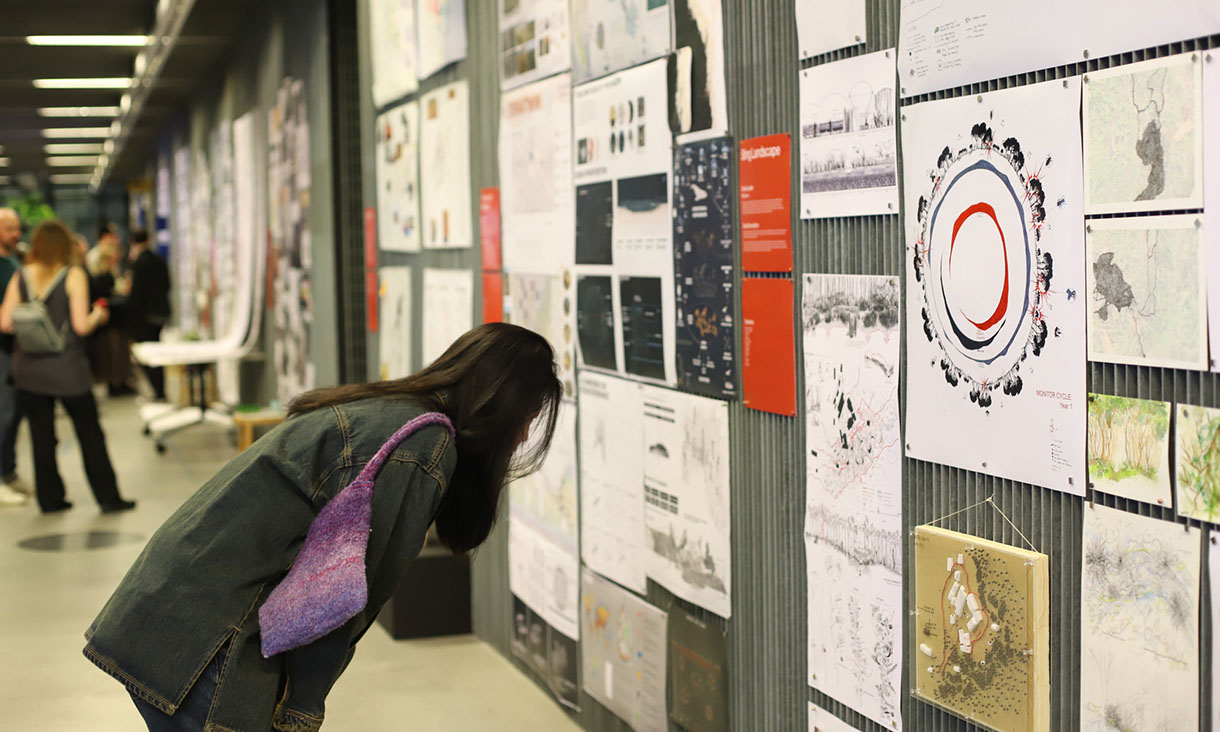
(433, 598)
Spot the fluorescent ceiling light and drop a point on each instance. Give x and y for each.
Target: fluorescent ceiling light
(72, 161)
(4, 180)
(120, 41)
(108, 146)
(101, 82)
(71, 177)
(4, 162)
(78, 111)
(70, 132)
(73, 148)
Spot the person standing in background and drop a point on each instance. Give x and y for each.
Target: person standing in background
(147, 306)
(12, 491)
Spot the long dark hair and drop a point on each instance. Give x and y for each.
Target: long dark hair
(493, 383)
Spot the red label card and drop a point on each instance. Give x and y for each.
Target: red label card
(766, 204)
(493, 297)
(769, 345)
(370, 238)
(489, 228)
(372, 297)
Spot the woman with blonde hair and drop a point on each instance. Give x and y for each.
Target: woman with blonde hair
(53, 276)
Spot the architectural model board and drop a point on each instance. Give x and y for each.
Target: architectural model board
(849, 139)
(537, 202)
(1143, 136)
(612, 528)
(686, 497)
(394, 333)
(623, 653)
(1129, 448)
(448, 309)
(698, 667)
(1198, 463)
(398, 178)
(610, 36)
(534, 41)
(828, 25)
(441, 34)
(980, 641)
(1147, 290)
(444, 167)
(853, 523)
(995, 316)
(392, 33)
(705, 197)
(700, 97)
(1139, 610)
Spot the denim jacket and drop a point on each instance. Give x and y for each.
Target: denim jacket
(204, 574)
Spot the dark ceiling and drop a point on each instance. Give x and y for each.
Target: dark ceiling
(208, 33)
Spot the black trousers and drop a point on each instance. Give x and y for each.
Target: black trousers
(39, 410)
(144, 332)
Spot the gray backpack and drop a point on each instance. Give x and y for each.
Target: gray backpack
(33, 327)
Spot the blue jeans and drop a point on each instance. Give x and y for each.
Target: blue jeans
(192, 714)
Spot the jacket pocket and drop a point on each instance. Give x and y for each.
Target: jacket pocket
(290, 720)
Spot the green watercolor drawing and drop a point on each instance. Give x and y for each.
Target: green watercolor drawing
(1124, 437)
(1198, 462)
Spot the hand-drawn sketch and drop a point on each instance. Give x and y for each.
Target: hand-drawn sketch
(537, 201)
(1139, 610)
(392, 32)
(444, 167)
(609, 35)
(291, 248)
(821, 720)
(398, 179)
(705, 197)
(697, 673)
(533, 40)
(1211, 216)
(849, 145)
(981, 635)
(623, 653)
(996, 284)
(612, 478)
(441, 34)
(828, 25)
(395, 319)
(448, 309)
(700, 100)
(1143, 136)
(1129, 448)
(595, 322)
(1198, 463)
(1147, 291)
(686, 496)
(544, 304)
(853, 522)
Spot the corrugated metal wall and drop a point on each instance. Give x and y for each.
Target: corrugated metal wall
(767, 633)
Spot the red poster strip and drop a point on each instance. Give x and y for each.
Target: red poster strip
(769, 345)
(493, 297)
(370, 238)
(489, 228)
(372, 299)
(766, 204)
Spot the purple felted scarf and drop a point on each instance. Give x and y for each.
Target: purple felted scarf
(326, 585)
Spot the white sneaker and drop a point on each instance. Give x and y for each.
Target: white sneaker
(20, 486)
(10, 497)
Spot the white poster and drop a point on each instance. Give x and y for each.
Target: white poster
(1211, 201)
(202, 241)
(543, 304)
(700, 99)
(623, 653)
(821, 720)
(444, 167)
(612, 478)
(823, 26)
(1139, 610)
(853, 518)
(398, 179)
(996, 327)
(948, 43)
(182, 247)
(392, 31)
(533, 40)
(849, 145)
(223, 291)
(686, 497)
(394, 331)
(610, 35)
(537, 202)
(1143, 136)
(544, 546)
(624, 229)
(448, 309)
(441, 34)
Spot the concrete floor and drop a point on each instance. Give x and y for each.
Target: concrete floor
(50, 596)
